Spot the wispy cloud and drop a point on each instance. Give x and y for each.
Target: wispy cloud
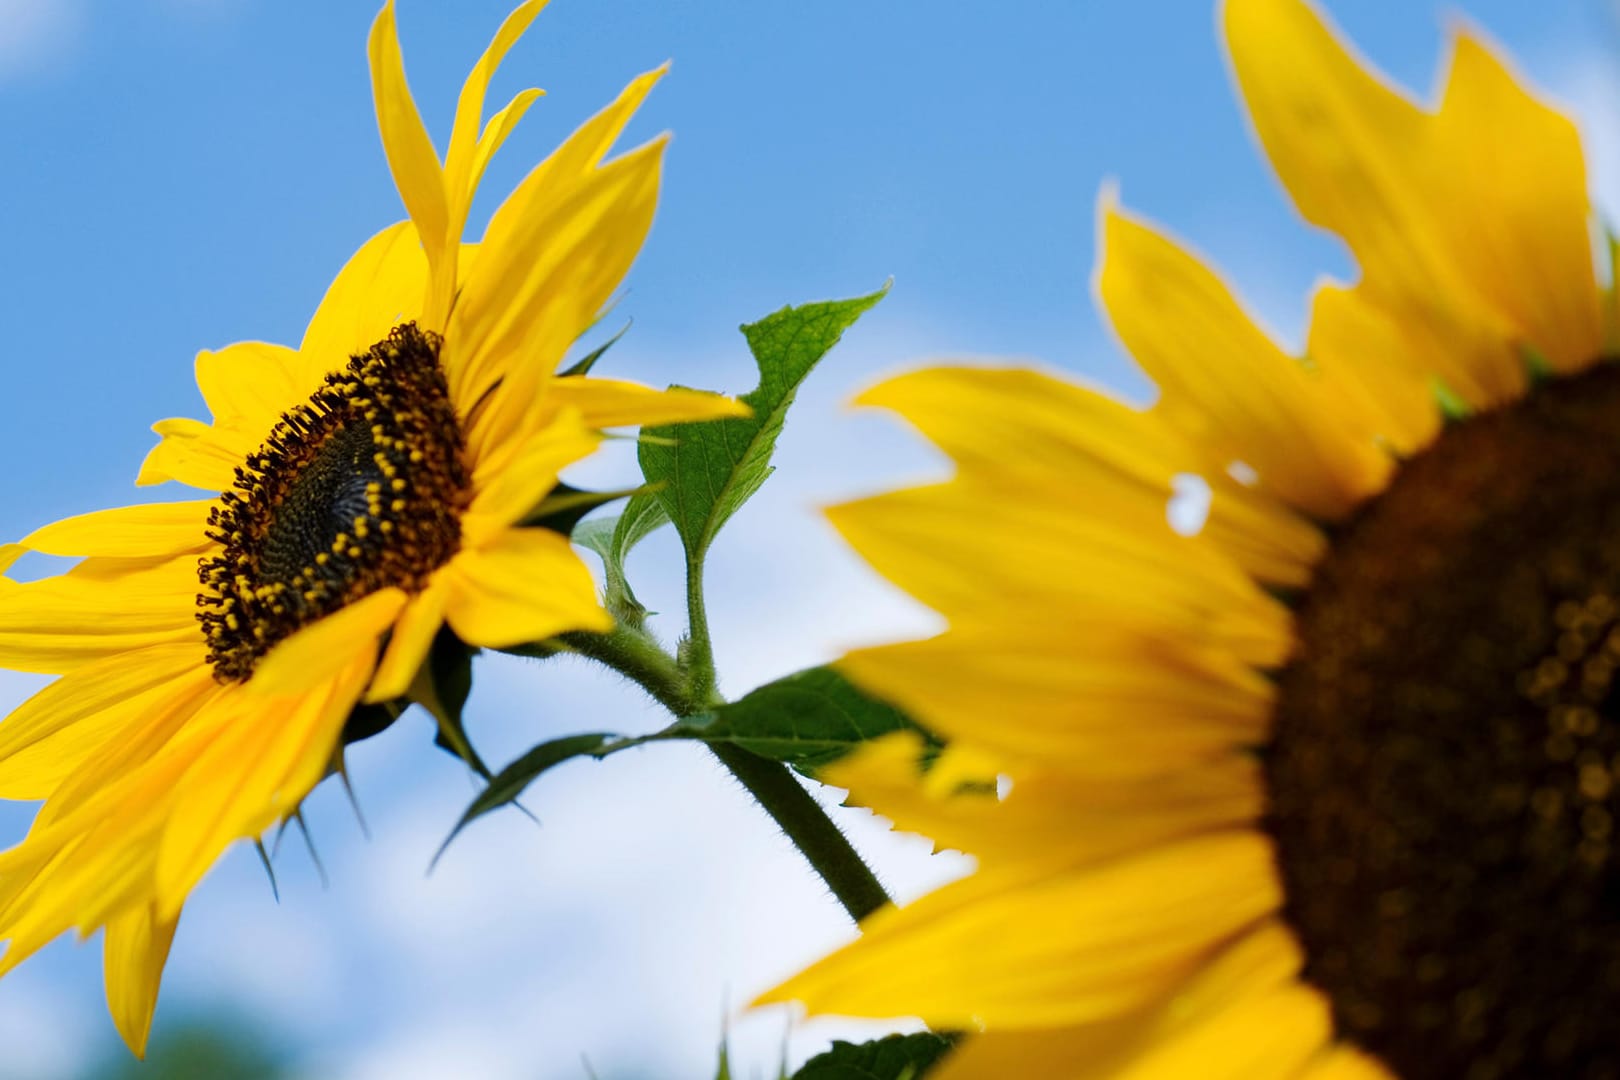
(37, 34)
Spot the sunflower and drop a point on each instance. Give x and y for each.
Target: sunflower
(1325, 784)
(373, 486)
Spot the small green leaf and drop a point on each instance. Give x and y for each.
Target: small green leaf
(368, 720)
(896, 1057)
(583, 365)
(505, 786)
(806, 720)
(710, 469)
(611, 539)
(441, 687)
(564, 506)
(643, 515)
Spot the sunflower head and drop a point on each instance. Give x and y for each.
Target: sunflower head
(1327, 789)
(367, 490)
(359, 489)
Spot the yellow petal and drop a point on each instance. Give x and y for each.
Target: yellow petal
(531, 295)
(250, 384)
(495, 132)
(1084, 1053)
(1224, 383)
(1047, 815)
(1346, 1063)
(1523, 239)
(194, 453)
(411, 157)
(409, 644)
(1268, 540)
(1362, 160)
(318, 652)
(605, 403)
(997, 423)
(59, 624)
(1265, 1038)
(575, 253)
(1378, 367)
(1116, 555)
(1257, 964)
(52, 733)
(190, 703)
(1101, 697)
(1010, 952)
(462, 157)
(524, 585)
(133, 955)
(510, 484)
(133, 532)
(254, 773)
(382, 285)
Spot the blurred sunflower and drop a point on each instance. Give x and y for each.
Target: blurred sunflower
(374, 483)
(1324, 787)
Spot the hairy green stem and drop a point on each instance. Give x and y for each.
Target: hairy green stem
(699, 656)
(635, 655)
(818, 839)
(639, 658)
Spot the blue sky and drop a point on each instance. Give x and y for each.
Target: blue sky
(186, 173)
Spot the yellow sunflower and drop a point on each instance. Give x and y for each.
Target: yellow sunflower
(1325, 788)
(373, 485)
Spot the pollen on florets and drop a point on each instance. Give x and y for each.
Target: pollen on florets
(359, 488)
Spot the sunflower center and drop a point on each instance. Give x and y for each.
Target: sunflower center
(1445, 772)
(359, 488)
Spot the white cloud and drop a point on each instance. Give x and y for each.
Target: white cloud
(36, 34)
(46, 1031)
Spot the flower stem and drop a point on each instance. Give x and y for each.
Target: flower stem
(637, 656)
(816, 836)
(699, 654)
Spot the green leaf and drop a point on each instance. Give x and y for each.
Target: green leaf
(643, 515)
(710, 469)
(441, 687)
(505, 787)
(612, 538)
(368, 720)
(806, 720)
(583, 365)
(564, 506)
(896, 1057)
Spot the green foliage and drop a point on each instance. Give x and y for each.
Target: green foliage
(710, 469)
(203, 1048)
(563, 506)
(441, 687)
(806, 719)
(896, 1057)
(505, 786)
(583, 365)
(612, 539)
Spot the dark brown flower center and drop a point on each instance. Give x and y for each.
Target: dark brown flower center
(359, 488)
(1445, 772)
